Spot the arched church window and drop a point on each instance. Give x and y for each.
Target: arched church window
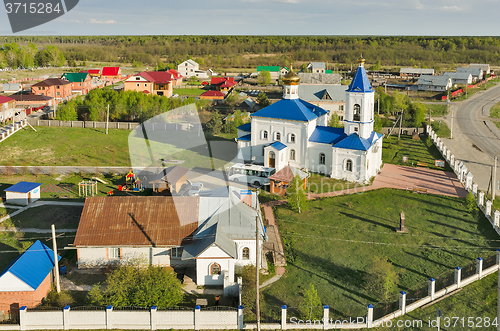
(348, 165)
(264, 135)
(357, 112)
(246, 253)
(322, 158)
(215, 269)
(278, 136)
(292, 138)
(292, 154)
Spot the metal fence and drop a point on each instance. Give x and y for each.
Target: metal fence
(468, 271)
(175, 308)
(219, 308)
(444, 280)
(95, 308)
(489, 261)
(380, 309)
(417, 292)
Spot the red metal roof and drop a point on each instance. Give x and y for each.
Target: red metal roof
(228, 84)
(145, 92)
(213, 94)
(110, 71)
(158, 77)
(175, 73)
(5, 99)
(137, 221)
(94, 71)
(221, 80)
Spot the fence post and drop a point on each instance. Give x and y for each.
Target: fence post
(496, 218)
(488, 207)
(196, 317)
(283, 317)
(479, 267)
(402, 302)
(22, 318)
(154, 317)
(66, 321)
(109, 311)
(498, 256)
(240, 317)
(480, 201)
(474, 189)
(432, 287)
(326, 316)
(369, 316)
(458, 276)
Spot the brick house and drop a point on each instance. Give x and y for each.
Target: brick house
(222, 83)
(151, 82)
(111, 73)
(7, 108)
(176, 77)
(27, 280)
(57, 88)
(80, 82)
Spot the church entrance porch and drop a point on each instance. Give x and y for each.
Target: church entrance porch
(272, 159)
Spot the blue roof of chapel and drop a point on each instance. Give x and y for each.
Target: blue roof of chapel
(360, 83)
(355, 142)
(245, 127)
(278, 145)
(337, 138)
(327, 135)
(291, 109)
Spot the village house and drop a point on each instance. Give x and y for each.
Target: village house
(329, 97)
(415, 72)
(150, 82)
(484, 67)
(208, 237)
(12, 87)
(190, 68)
(109, 73)
(27, 280)
(81, 83)
(477, 73)
(176, 77)
(94, 73)
(319, 78)
(462, 78)
(213, 95)
(273, 70)
(7, 109)
(434, 83)
(24, 101)
(224, 84)
(317, 67)
(57, 88)
(294, 132)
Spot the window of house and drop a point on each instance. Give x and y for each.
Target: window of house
(113, 253)
(292, 138)
(145, 85)
(246, 253)
(215, 269)
(278, 136)
(79, 84)
(138, 84)
(292, 154)
(176, 252)
(58, 93)
(341, 107)
(137, 78)
(322, 158)
(348, 165)
(357, 112)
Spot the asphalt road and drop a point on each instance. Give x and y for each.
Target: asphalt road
(476, 139)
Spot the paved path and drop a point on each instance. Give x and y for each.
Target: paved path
(67, 284)
(391, 176)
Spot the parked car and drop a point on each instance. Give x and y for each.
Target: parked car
(195, 189)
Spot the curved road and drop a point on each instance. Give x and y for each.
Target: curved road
(476, 139)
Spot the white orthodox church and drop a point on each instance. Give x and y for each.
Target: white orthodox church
(295, 132)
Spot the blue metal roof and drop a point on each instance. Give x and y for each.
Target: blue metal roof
(291, 109)
(245, 127)
(360, 83)
(23, 187)
(247, 137)
(33, 265)
(278, 145)
(355, 142)
(327, 135)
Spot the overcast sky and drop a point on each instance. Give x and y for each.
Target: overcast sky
(273, 17)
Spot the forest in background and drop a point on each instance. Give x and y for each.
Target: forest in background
(249, 51)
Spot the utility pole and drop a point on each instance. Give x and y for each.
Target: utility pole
(257, 271)
(107, 120)
(56, 261)
(448, 110)
(466, 85)
(494, 184)
(400, 122)
(378, 105)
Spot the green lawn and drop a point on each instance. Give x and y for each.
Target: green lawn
(436, 110)
(495, 112)
(478, 300)
(64, 217)
(333, 243)
(416, 150)
(441, 129)
(189, 91)
(321, 184)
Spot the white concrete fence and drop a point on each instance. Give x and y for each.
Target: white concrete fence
(467, 179)
(115, 125)
(9, 130)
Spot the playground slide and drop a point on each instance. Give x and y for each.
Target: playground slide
(99, 180)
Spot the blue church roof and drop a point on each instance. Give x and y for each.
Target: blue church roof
(291, 109)
(360, 83)
(245, 127)
(278, 145)
(33, 265)
(327, 135)
(247, 137)
(355, 142)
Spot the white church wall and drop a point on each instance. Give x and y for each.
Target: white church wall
(204, 267)
(314, 152)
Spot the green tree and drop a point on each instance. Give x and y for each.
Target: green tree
(381, 278)
(470, 203)
(417, 111)
(67, 112)
(215, 123)
(264, 77)
(311, 308)
(334, 121)
(263, 100)
(296, 195)
(136, 285)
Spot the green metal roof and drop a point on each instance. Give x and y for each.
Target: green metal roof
(328, 71)
(75, 77)
(268, 68)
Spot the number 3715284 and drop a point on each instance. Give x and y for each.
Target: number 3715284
(32, 8)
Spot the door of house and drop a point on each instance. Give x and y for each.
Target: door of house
(29, 197)
(272, 159)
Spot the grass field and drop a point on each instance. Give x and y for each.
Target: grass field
(332, 245)
(416, 150)
(63, 217)
(436, 109)
(321, 184)
(441, 129)
(189, 91)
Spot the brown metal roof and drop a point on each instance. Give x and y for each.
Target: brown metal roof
(52, 82)
(284, 175)
(137, 221)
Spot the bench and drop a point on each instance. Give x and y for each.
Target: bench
(65, 197)
(419, 190)
(422, 164)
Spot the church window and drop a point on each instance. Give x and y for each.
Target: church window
(292, 138)
(246, 253)
(215, 269)
(322, 158)
(264, 134)
(357, 112)
(356, 129)
(341, 107)
(278, 136)
(348, 165)
(292, 154)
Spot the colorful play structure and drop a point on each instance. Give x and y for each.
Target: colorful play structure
(132, 183)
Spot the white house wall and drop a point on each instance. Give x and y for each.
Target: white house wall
(9, 282)
(203, 276)
(89, 257)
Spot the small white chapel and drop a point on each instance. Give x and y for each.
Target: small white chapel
(295, 132)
